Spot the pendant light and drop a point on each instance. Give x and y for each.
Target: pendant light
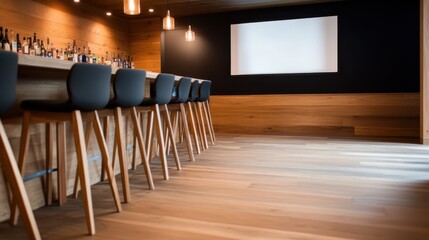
(189, 35)
(168, 21)
(132, 7)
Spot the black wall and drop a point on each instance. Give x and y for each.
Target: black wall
(378, 49)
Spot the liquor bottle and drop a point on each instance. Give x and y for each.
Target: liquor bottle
(13, 42)
(42, 50)
(31, 46)
(61, 54)
(132, 63)
(84, 57)
(35, 45)
(54, 52)
(48, 49)
(124, 60)
(119, 61)
(68, 55)
(75, 54)
(106, 60)
(6, 42)
(79, 55)
(39, 48)
(25, 46)
(91, 60)
(18, 44)
(1, 37)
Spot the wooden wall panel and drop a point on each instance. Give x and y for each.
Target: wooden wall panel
(342, 115)
(145, 44)
(64, 22)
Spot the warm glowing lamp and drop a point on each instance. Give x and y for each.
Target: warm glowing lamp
(190, 35)
(132, 7)
(168, 22)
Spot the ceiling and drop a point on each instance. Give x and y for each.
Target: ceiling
(191, 7)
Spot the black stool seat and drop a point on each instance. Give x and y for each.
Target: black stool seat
(86, 92)
(193, 92)
(128, 87)
(182, 90)
(204, 91)
(160, 91)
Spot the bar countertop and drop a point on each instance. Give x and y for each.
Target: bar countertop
(44, 62)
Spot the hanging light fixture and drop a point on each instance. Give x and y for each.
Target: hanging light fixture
(168, 21)
(189, 35)
(132, 7)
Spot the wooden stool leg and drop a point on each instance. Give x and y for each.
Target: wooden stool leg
(134, 163)
(106, 127)
(82, 164)
(203, 134)
(16, 183)
(87, 137)
(206, 116)
(49, 161)
(61, 163)
(119, 128)
(210, 119)
(143, 153)
(106, 160)
(186, 131)
(23, 151)
(172, 137)
(161, 144)
(150, 120)
(193, 127)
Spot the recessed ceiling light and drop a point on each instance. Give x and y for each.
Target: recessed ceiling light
(76, 0)
(108, 13)
(151, 10)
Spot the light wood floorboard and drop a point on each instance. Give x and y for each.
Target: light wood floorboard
(264, 187)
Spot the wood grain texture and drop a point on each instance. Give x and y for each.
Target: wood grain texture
(145, 44)
(424, 71)
(347, 115)
(63, 23)
(266, 187)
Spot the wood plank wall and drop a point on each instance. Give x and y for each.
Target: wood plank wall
(63, 22)
(145, 43)
(334, 115)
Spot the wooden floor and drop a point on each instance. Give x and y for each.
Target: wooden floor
(265, 187)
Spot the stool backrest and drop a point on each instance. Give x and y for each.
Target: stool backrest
(163, 88)
(204, 91)
(8, 78)
(193, 92)
(183, 89)
(129, 87)
(88, 86)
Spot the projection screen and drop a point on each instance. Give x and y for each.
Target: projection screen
(308, 45)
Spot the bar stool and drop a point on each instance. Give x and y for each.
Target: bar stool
(129, 91)
(8, 78)
(160, 95)
(177, 106)
(203, 112)
(88, 87)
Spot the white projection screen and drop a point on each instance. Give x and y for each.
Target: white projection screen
(307, 45)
